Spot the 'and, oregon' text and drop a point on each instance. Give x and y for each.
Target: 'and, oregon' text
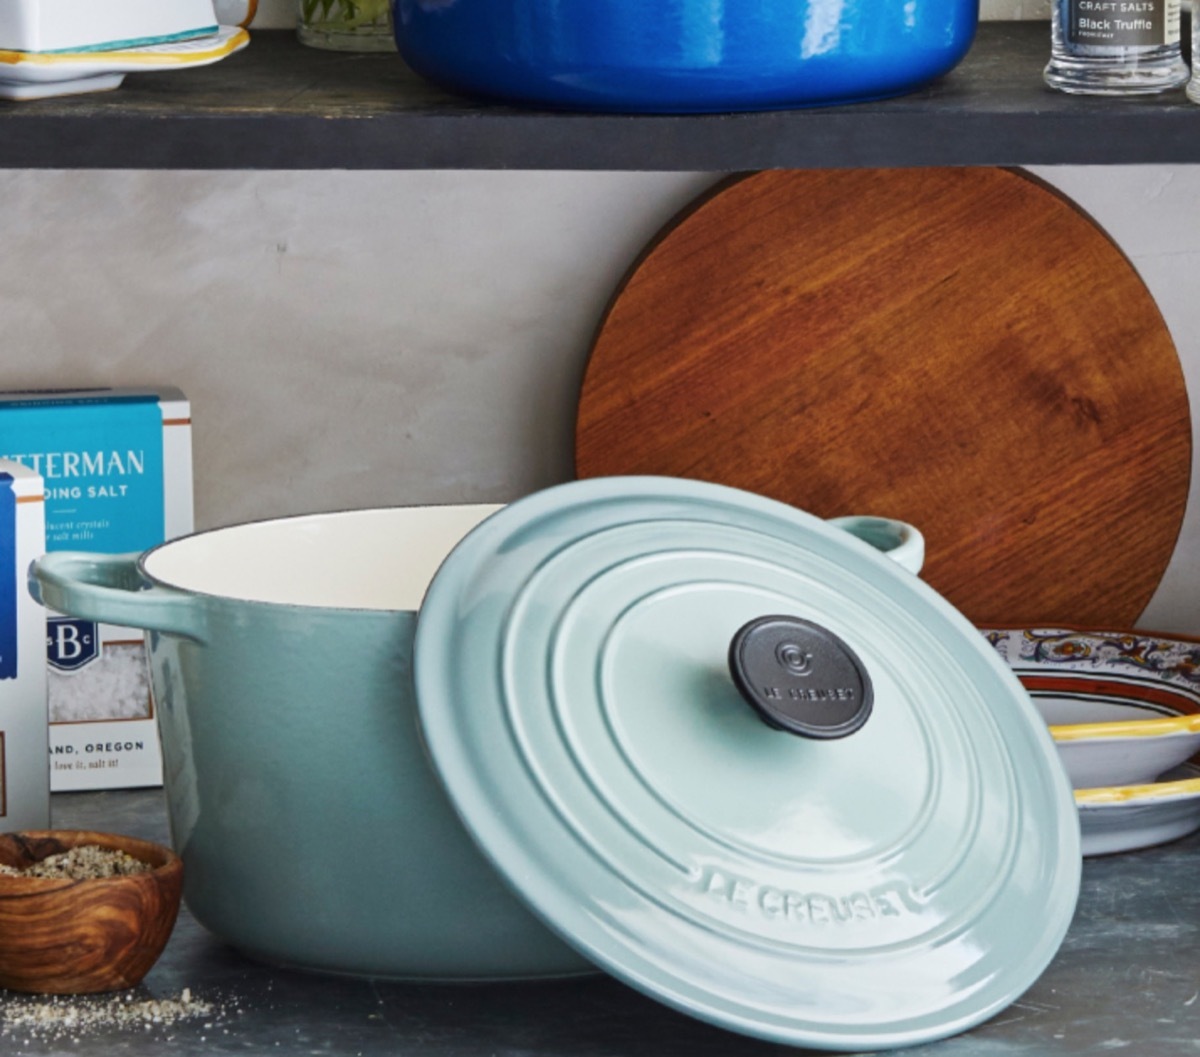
(99, 746)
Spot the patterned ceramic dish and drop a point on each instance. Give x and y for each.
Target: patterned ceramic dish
(1124, 711)
(1123, 707)
(37, 75)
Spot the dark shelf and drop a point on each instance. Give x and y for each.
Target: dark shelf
(278, 105)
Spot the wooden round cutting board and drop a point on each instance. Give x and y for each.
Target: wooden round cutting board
(960, 348)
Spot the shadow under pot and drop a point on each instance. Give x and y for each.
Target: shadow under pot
(736, 756)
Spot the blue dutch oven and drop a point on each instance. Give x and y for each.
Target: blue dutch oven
(679, 56)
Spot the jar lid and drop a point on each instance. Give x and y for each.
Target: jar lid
(746, 763)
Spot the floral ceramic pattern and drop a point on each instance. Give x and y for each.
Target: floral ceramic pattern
(1170, 660)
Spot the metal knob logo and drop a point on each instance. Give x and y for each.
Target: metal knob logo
(793, 659)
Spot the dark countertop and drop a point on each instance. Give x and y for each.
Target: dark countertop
(280, 105)
(1126, 979)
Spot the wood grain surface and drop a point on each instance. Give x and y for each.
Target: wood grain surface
(64, 936)
(960, 348)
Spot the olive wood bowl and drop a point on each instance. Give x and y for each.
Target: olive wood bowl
(65, 936)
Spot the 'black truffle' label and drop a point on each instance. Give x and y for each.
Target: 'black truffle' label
(1123, 23)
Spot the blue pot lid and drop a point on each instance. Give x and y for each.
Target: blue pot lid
(578, 678)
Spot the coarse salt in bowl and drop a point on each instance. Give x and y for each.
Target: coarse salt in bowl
(96, 923)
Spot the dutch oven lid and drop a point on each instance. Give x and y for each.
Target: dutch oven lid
(747, 764)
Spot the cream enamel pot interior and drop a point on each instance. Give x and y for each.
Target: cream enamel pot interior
(312, 828)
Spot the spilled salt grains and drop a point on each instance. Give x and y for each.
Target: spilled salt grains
(70, 1018)
(83, 863)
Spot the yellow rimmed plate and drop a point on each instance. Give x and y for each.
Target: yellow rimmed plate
(1123, 818)
(1127, 752)
(37, 75)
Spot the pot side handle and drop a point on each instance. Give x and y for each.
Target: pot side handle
(110, 589)
(898, 540)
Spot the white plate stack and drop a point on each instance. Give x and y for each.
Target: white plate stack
(61, 47)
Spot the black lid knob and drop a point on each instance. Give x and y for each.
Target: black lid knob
(800, 677)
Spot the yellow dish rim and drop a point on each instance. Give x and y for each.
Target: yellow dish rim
(1118, 794)
(140, 57)
(1127, 728)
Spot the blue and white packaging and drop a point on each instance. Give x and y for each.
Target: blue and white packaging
(117, 469)
(24, 769)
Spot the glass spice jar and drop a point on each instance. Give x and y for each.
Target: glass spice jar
(1115, 47)
(346, 25)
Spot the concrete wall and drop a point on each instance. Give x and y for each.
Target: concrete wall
(352, 339)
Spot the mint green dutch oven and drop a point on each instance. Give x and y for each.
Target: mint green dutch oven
(728, 752)
(312, 829)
